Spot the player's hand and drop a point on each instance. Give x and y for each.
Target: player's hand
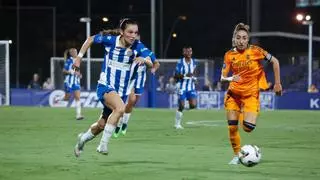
(189, 75)
(139, 60)
(77, 73)
(236, 78)
(76, 64)
(277, 88)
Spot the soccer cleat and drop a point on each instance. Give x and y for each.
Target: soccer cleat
(79, 146)
(234, 161)
(115, 135)
(102, 149)
(178, 126)
(124, 129)
(79, 117)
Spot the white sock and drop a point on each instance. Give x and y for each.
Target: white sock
(78, 108)
(87, 136)
(126, 117)
(107, 133)
(178, 117)
(120, 122)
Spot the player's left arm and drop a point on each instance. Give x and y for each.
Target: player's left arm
(143, 55)
(277, 81)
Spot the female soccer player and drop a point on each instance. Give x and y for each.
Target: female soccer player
(72, 80)
(120, 52)
(138, 83)
(245, 62)
(185, 75)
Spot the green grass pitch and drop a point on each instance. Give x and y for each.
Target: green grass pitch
(37, 144)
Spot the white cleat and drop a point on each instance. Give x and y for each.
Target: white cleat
(178, 126)
(79, 146)
(234, 161)
(102, 149)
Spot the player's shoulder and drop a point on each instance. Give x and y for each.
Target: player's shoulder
(255, 48)
(231, 51)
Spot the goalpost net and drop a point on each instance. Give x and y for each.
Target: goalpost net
(167, 68)
(4, 73)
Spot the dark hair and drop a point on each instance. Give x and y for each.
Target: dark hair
(186, 46)
(67, 54)
(126, 21)
(113, 32)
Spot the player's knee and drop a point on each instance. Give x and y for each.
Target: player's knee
(181, 108)
(101, 124)
(192, 106)
(233, 126)
(119, 110)
(248, 127)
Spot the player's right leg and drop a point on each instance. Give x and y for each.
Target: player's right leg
(78, 104)
(179, 115)
(233, 110)
(113, 101)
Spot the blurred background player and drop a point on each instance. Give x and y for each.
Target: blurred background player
(137, 83)
(248, 78)
(72, 80)
(185, 76)
(120, 52)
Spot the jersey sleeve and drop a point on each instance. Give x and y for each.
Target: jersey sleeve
(152, 56)
(103, 39)
(263, 54)
(226, 65)
(142, 50)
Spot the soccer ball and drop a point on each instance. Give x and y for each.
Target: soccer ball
(250, 155)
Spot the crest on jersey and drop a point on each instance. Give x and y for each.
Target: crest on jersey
(129, 52)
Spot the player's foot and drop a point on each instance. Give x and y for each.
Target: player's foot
(115, 135)
(79, 117)
(124, 129)
(79, 146)
(235, 161)
(102, 149)
(178, 126)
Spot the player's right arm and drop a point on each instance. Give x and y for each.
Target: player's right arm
(226, 69)
(178, 74)
(97, 39)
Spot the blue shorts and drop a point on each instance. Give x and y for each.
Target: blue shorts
(138, 91)
(101, 90)
(183, 95)
(70, 89)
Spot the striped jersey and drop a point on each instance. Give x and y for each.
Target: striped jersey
(139, 73)
(115, 71)
(184, 68)
(70, 79)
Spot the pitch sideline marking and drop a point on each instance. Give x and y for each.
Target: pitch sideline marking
(210, 123)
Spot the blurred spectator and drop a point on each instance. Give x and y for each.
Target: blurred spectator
(313, 89)
(34, 83)
(171, 87)
(48, 84)
(161, 83)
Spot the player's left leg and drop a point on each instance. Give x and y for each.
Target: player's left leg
(251, 109)
(78, 104)
(94, 130)
(192, 98)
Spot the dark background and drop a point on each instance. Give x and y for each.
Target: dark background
(208, 28)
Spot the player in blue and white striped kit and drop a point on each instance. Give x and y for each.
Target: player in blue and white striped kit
(72, 81)
(113, 86)
(139, 76)
(185, 76)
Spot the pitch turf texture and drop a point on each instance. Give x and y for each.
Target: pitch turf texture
(37, 144)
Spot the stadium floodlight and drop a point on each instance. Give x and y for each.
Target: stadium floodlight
(105, 19)
(87, 20)
(306, 20)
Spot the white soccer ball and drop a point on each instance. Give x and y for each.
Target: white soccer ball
(250, 155)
